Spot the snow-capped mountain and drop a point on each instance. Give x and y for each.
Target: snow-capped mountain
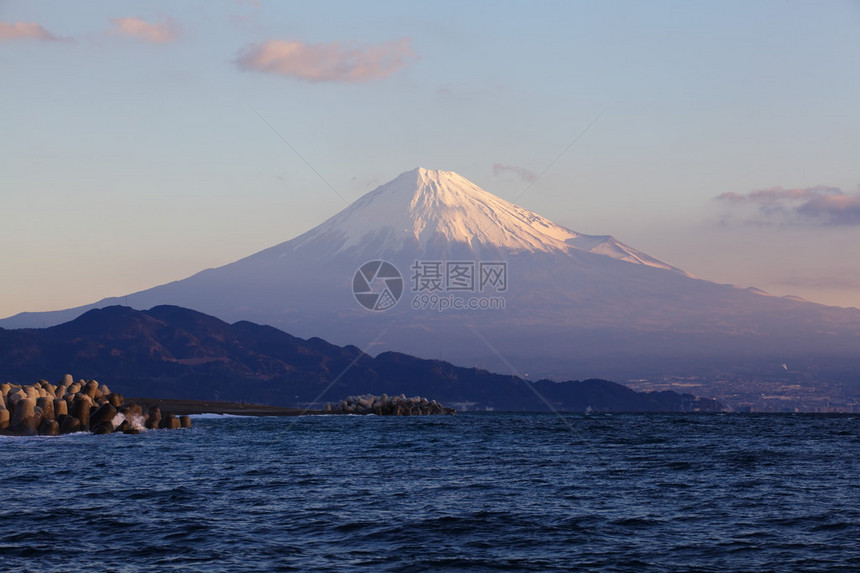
(537, 297)
(426, 210)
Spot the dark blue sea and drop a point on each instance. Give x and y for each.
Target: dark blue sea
(471, 492)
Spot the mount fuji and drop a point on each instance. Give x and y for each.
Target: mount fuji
(535, 298)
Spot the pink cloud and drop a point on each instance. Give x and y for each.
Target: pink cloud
(521, 172)
(330, 62)
(820, 205)
(166, 30)
(21, 30)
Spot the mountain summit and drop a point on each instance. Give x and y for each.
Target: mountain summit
(431, 211)
(570, 305)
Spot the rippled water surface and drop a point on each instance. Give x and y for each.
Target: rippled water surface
(467, 492)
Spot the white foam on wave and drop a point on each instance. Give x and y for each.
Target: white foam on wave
(137, 421)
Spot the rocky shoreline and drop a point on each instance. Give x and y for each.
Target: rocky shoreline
(46, 409)
(83, 406)
(385, 405)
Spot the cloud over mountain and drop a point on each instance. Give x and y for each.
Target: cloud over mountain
(819, 205)
(331, 62)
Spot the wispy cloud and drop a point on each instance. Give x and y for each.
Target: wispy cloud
(521, 172)
(332, 62)
(165, 30)
(22, 30)
(819, 205)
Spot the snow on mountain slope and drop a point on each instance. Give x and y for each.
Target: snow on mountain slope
(425, 206)
(607, 245)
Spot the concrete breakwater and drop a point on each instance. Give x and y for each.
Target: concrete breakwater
(385, 405)
(83, 406)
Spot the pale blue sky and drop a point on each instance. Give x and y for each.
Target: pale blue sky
(132, 153)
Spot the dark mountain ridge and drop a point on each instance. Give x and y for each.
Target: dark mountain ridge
(173, 352)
